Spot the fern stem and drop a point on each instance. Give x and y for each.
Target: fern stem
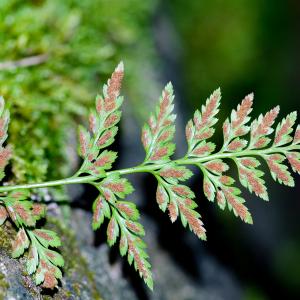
(75, 179)
(220, 155)
(149, 168)
(71, 180)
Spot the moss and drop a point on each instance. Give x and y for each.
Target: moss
(82, 48)
(77, 288)
(7, 234)
(4, 285)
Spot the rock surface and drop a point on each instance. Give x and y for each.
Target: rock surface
(88, 273)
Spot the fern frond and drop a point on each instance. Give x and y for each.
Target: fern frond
(44, 263)
(199, 129)
(123, 222)
(244, 154)
(261, 128)
(158, 133)
(245, 144)
(235, 127)
(103, 128)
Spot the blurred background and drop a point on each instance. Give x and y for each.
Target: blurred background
(54, 57)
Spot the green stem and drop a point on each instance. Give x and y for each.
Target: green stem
(64, 181)
(74, 179)
(222, 155)
(149, 168)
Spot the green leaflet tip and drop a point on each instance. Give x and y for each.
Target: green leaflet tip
(169, 87)
(292, 183)
(203, 237)
(277, 109)
(120, 67)
(217, 91)
(250, 96)
(150, 285)
(249, 219)
(95, 226)
(149, 282)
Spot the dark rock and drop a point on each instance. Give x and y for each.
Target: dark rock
(89, 274)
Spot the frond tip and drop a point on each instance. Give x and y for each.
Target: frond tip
(158, 133)
(200, 128)
(103, 121)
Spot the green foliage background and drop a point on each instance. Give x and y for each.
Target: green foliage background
(242, 46)
(83, 40)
